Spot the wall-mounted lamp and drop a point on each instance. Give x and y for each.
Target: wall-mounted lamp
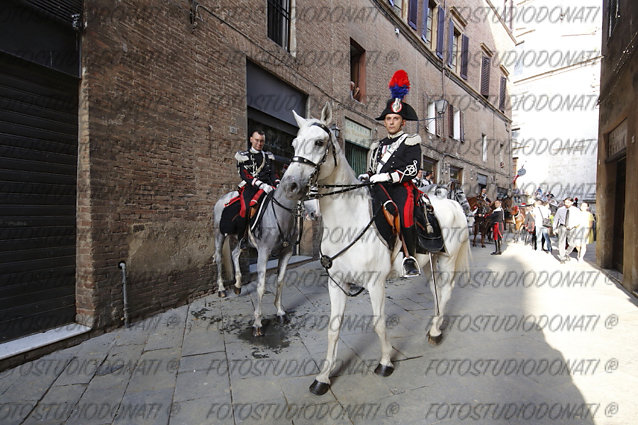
(440, 105)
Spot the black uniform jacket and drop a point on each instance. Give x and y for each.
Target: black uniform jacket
(252, 169)
(403, 163)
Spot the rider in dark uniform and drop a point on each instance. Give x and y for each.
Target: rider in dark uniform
(483, 196)
(257, 171)
(394, 161)
(497, 221)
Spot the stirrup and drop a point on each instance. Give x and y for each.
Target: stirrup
(411, 274)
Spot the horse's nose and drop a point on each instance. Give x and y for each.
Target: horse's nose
(290, 186)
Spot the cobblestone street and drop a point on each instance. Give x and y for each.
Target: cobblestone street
(528, 341)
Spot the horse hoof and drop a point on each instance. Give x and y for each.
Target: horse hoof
(482, 246)
(258, 331)
(283, 319)
(383, 370)
(237, 290)
(435, 340)
(221, 294)
(319, 388)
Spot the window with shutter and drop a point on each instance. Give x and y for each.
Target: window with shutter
(412, 13)
(450, 44)
(426, 25)
(440, 33)
(501, 99)
(431, 124)
(450, 120)
(485, 76)
(357, 71)
(465, 42)
(461, 117)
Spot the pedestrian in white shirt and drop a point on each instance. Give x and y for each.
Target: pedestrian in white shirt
(567, 219)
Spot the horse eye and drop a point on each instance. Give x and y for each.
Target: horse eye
(319, 142)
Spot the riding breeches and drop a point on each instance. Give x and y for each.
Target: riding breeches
(404, 195)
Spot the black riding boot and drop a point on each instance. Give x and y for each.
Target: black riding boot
(497, 247)
(410, 266)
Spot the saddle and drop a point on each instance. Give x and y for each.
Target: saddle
(429, 236)
(235, 215)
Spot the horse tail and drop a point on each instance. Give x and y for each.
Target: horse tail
(462, 265)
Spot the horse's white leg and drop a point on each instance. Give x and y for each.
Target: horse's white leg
(219, 246)
(283, 264)
(262, 263)
(337, 308)
(444, 272)
(236, 253)
(377, 299)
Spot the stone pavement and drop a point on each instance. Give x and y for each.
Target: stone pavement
(528, 341)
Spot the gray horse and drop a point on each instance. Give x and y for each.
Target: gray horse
(277, 233)
(448, 191)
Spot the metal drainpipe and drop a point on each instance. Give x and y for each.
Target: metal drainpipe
(122, 266)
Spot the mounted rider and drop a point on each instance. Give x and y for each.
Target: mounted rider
(257, 171)
(483, 196)
(393, 162)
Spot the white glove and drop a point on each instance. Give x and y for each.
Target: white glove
(380, 178)
(364, 177)
(267, 188)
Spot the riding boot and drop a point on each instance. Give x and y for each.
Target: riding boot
(410, 265)
(499, 252)
(497, 247)
(243, 233)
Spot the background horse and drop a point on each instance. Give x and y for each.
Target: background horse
(518, 217)
(510, 209)
(481, 218)
(451, 192)
(456, 194)
(278, 232)
(363, 258)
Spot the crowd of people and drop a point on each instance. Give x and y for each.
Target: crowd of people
(573, 225)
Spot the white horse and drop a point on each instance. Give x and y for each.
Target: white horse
(368, 261)
(278, 231)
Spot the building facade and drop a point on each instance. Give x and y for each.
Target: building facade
(617, 154)
(140, 126)
(556, 72)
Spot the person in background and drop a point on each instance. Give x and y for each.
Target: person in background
(541, 215)
(530, 227)
(567, 219)
(497, 221)
(583, 233)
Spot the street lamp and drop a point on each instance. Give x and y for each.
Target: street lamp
(440, 105)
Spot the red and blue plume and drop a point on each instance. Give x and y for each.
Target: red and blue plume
(399, 84)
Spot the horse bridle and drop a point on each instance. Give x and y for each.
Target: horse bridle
(300, 159)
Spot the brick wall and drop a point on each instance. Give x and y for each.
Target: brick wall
(159, 98)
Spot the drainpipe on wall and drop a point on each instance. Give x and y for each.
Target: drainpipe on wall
(122, 266)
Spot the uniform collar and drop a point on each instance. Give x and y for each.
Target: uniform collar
(394, 136)
(253, 150)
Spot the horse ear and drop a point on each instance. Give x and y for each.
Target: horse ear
(326, 113)
(300, 121)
